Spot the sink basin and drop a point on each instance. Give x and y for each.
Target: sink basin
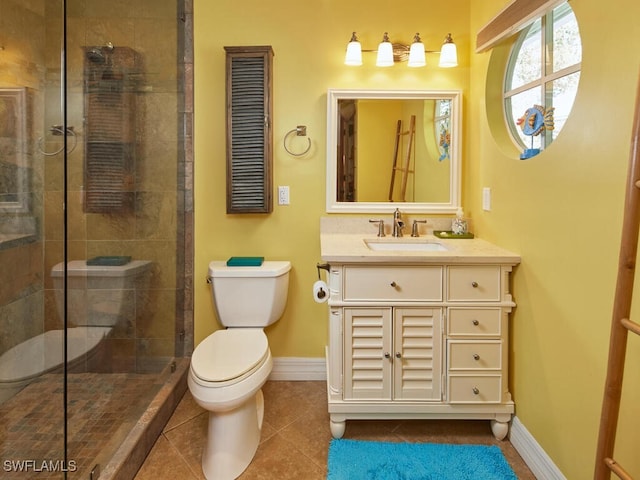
(404, 246)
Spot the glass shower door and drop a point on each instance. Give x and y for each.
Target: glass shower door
(32, 153)
(91, 227)
(123, 217)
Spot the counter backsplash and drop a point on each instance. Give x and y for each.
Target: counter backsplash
(360, 224)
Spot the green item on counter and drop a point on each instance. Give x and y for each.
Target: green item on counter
(450, 234)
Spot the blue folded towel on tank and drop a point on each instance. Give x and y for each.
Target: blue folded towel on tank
(245, 261)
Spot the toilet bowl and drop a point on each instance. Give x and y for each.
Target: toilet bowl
(99, 299)
(229, 367)
(28, 360)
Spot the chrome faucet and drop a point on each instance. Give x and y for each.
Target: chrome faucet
(398, 223)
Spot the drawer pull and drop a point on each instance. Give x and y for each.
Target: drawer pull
(476, 391)
(476, 322)
(476, 356)
(398, 355)
(474, 284)
(393, 284)
(387, 355)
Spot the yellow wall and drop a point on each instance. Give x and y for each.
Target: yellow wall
(309, 41)
(561, 211)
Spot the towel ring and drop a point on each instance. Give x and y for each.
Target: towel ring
(57, 130)
(300, 131)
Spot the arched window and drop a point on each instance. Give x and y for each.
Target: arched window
(543, 70)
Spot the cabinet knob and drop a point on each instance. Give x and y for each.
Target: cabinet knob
(476, 391)
(393, 284)
(475, 322)
(474, 284)
(387, 355)
(398, 355)
(476, 356)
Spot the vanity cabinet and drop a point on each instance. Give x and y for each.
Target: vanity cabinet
(419, 341)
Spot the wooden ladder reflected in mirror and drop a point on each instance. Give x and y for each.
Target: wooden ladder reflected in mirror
(404, 167)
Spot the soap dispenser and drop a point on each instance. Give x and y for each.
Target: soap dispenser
(459, 224)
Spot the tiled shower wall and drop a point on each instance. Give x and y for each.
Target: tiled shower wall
(150, 230)
(22, 64)
(158, 227)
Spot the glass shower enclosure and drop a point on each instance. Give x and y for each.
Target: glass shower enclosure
(93, 220)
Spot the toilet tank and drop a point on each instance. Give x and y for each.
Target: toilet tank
(249, 296)
(100, 295)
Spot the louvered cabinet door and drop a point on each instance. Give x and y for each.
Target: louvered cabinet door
(249, 129)
(367, 353)
(417, 354)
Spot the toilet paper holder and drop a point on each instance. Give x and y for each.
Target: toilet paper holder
(322, 266)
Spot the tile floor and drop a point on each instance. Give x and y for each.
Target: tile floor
(295, 437)
(102, 407)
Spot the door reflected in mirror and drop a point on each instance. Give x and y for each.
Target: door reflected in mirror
(398, 147)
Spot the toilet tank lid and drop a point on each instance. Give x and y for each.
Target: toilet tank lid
(267, 269)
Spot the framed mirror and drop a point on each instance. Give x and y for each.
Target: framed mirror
(14, 196)
(391, 149)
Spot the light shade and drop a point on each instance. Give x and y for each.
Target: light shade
(416, 53)
(354, 52)
(385, 52)
(448, 53)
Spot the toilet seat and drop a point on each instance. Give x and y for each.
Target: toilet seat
(228, 356)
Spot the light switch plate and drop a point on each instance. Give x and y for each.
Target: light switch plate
(486, 199)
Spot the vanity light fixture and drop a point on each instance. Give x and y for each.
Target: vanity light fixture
(389, 53)
(385, 52)
(448, 53)
(354, 52)
(416, 53)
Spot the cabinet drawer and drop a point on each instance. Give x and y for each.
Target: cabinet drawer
(474, 283)
(471, 355)
(475, 388)
(385, 284)
(474, 321)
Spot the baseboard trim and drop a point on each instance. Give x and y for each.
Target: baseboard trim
(532, 453)
(298, 369)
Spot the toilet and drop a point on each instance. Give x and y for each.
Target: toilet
(99, 295)
(229, 367)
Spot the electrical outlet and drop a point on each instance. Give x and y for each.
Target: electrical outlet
(283, 195)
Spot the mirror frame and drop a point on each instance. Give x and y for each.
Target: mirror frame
(18, 97)
(334, 95)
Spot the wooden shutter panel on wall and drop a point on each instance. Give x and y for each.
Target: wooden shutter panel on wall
(249, 133)
(111, 90)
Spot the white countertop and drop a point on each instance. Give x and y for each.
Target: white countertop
(350, 247)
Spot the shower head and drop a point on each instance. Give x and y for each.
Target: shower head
(97, 54)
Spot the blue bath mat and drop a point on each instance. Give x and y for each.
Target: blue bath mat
(364, 460)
